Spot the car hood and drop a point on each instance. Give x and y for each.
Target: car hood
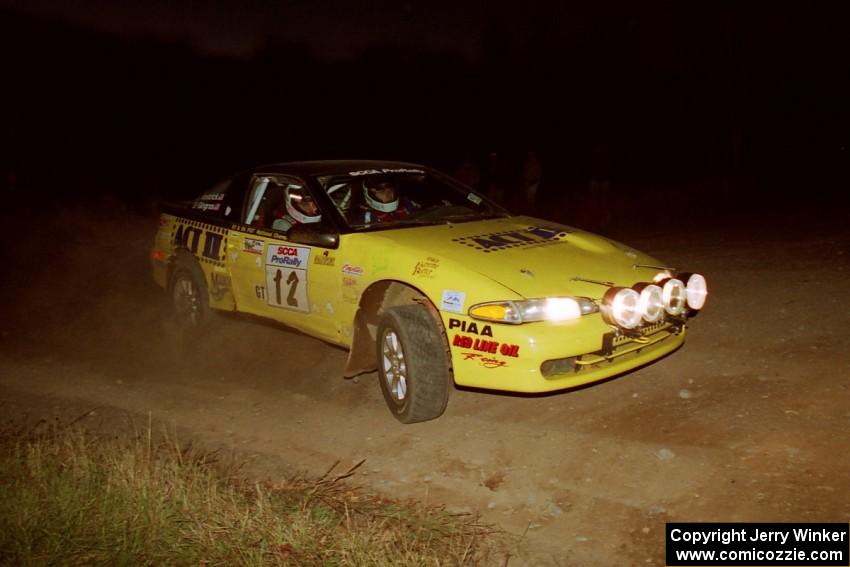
(533, 257)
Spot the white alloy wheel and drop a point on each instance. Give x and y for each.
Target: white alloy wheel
(395, 368)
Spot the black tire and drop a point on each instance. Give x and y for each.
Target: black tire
(190, 300)
(413, 364)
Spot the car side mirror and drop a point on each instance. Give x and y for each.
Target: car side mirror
(314, 234)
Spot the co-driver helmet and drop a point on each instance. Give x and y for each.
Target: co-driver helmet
(376, 190)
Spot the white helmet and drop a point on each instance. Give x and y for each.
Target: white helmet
(371, 185)
(297, 198)
(340, 194)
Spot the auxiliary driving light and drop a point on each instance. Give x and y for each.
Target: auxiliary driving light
(696, 291)
(651, 304)
(674, 296)
(622, 307)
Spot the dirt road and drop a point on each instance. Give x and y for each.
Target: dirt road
(750, 421)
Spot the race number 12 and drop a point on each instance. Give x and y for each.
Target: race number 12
(286, 276)
(286, 288)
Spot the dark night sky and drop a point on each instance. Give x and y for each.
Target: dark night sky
(672, 91)
(334, 30)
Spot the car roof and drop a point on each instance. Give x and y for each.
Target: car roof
(327, 167)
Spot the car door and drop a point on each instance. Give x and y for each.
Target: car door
(274, 277)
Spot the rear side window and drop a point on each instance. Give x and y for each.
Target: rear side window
(213, 200)
(223, 199)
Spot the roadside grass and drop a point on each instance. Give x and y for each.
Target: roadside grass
(71, 496)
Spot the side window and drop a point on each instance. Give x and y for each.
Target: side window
(253, 209)
(279, 202)
(213, 200)
(342, 196)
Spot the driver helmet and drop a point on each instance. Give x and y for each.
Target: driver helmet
(300, 205)
(340, 194)
(381, 194)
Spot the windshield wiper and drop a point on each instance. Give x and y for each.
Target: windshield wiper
(417, 222)
(395, 223)
(473, 217)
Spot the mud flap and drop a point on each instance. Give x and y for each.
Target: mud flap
(361, 357)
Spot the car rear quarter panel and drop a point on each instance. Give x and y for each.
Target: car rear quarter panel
(208, 245)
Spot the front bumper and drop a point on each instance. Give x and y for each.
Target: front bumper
(545, 357)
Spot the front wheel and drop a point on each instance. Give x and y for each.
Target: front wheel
(413, 365)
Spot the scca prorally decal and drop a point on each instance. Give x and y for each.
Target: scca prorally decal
(484, 345)
(293, 256)
(196, 236)
(495, 241)
(470, 327)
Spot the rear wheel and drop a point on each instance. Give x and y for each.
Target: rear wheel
(413, 365)
(189, 297)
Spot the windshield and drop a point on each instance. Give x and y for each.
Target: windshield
(404, 197)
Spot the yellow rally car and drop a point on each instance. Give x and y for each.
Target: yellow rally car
(423, 279)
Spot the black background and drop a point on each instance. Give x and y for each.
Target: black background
(709, 106)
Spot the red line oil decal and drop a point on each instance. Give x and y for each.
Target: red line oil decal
(495, 241)
(485, 345)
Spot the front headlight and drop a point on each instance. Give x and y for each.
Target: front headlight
(528, 310)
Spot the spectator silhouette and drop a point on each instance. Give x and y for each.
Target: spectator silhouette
(532, 175)
(494, 179)
(599, 189)
(469, 173)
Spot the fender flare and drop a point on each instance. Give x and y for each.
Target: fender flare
(375, 299)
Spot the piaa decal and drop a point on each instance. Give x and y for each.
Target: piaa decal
(471, 327)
